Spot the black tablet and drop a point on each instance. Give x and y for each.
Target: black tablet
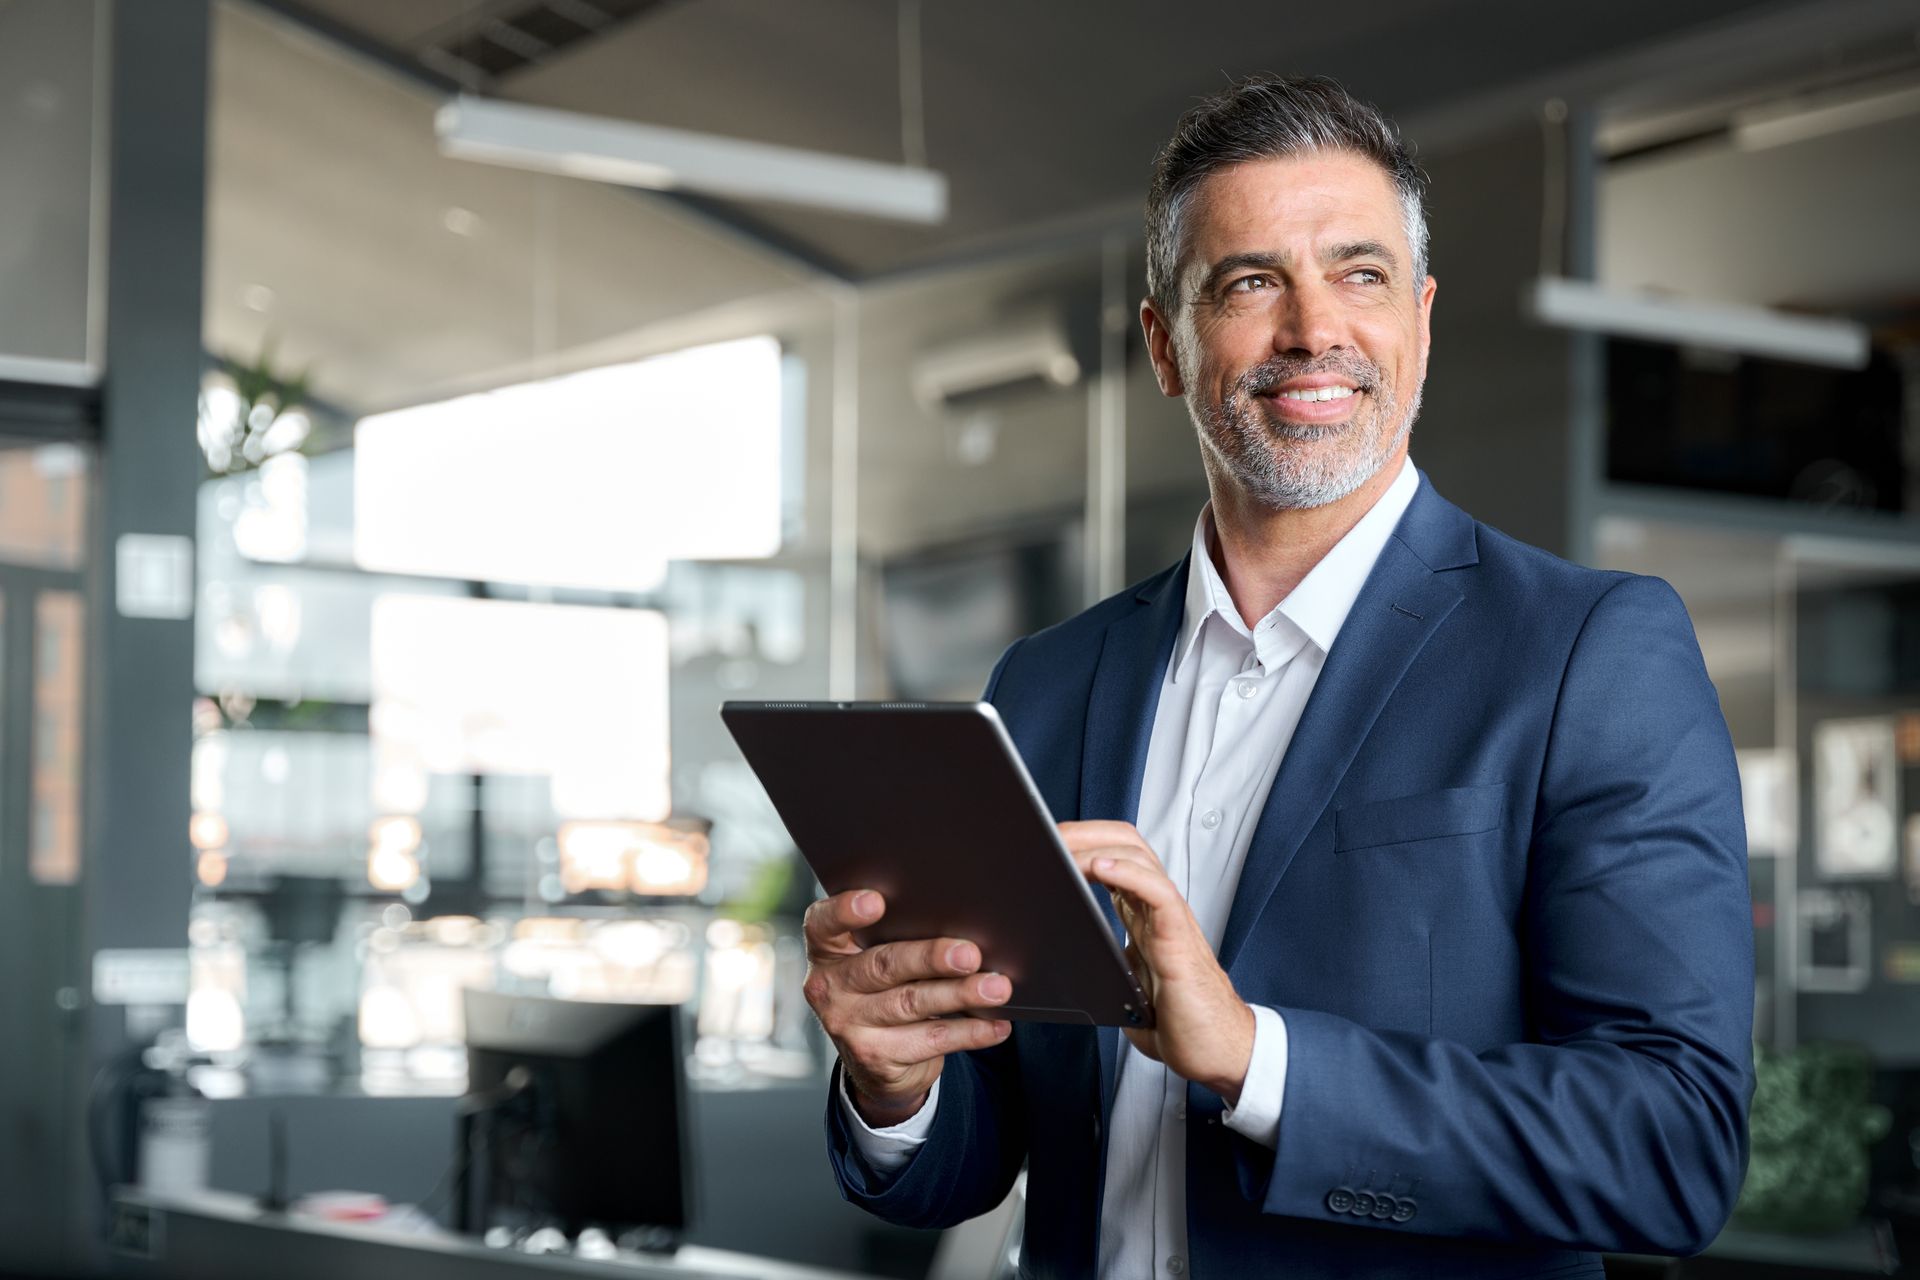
(929, 804)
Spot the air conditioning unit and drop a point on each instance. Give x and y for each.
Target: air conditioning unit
(1023, 353)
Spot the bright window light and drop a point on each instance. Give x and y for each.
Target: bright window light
(591, 480)
(578, 695)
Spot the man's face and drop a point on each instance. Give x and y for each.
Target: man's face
(1298, 335)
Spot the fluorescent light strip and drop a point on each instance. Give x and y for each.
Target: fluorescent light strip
(1756, 331)
(630, 154)
(50, 373)
(1757, 130)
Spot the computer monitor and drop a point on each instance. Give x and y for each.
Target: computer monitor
(575, 1114)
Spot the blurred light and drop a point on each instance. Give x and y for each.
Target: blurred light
(211, 868)
(650, 858)
(392, 870)
(278, 609)
(670, 862)
(272, 525)
(594, 855)
(462, 222)
(289, 431)
(1757, 331)
(395, 916)
(400, 834)
(685, 465)
(453, 931)
(588, 711)
(215, 1021)
(258, 298)
(400, 784)
(663, 868)
(387, 1020)
(632, 154)
(207, 831)
(725, 933)
(59, 461)
(631, 944)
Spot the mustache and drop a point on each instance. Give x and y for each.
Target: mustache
(1267, 376)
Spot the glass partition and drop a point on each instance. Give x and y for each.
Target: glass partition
(48, 123)
(510, 480)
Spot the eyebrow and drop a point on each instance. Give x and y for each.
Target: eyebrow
(1261, 261)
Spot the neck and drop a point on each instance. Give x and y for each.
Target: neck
(1263, 553)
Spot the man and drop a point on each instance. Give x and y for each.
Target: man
(1428, 843)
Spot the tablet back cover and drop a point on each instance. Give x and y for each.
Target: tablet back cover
(929, 804)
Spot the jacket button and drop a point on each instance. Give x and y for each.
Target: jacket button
(1405, 1210)
(1340, 1200)
(1362, 1204)
(1384, 1207)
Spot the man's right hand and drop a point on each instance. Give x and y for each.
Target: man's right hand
(884, 1006)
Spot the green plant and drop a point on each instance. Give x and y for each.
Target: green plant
(1811, 1126)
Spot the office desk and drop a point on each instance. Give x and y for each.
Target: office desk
(217, 1236)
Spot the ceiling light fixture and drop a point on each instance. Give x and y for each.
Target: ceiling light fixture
(1748, 330)
(631, 154)
(1779, 124)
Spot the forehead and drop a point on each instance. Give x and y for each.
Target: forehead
(1280, 204)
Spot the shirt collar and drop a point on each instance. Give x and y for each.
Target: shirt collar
(1316, 608)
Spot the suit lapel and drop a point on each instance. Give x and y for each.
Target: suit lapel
(1120, 711)
(1402, 604)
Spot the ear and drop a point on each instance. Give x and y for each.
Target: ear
(1166, 370)
(1427, 291)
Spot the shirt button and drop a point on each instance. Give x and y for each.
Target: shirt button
(1247, 688)
(1176, 1264)
(1180, 1113)
(1210, 819)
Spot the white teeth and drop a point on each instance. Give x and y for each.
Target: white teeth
(1318, 393)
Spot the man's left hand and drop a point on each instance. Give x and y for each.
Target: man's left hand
(1203, 1030)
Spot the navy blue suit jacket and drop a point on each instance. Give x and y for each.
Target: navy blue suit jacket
(1499, 894)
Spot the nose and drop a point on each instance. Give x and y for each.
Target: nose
(1308, 324)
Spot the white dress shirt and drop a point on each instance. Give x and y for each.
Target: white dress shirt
(1229, 702)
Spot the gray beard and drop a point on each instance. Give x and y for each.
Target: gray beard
(1253, 448)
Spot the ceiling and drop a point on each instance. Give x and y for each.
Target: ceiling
(341, 243)
(1039, 113)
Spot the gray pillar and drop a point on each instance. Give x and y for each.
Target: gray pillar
(137, 863)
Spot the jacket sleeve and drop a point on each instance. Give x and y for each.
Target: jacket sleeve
(971, 1157)
(1621, 1123)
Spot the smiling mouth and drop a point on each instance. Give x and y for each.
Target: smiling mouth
(1313, 393)
(1311, 407)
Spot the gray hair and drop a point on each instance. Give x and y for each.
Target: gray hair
(1266, 118)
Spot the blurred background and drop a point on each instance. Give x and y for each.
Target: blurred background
(417, 416)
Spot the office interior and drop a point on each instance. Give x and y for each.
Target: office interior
(382, 524)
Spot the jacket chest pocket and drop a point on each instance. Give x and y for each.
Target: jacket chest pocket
(1457, 811)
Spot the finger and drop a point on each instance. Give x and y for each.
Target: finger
(891, 964)
(1092, 835)
(830, 922)
(884, 1051)
(937, 998)
(1148, 885)
(1131, 853)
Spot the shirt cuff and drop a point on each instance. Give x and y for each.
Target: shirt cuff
(1258, 1114)
(888, 1150)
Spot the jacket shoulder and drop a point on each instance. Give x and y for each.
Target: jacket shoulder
(1541, 581)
